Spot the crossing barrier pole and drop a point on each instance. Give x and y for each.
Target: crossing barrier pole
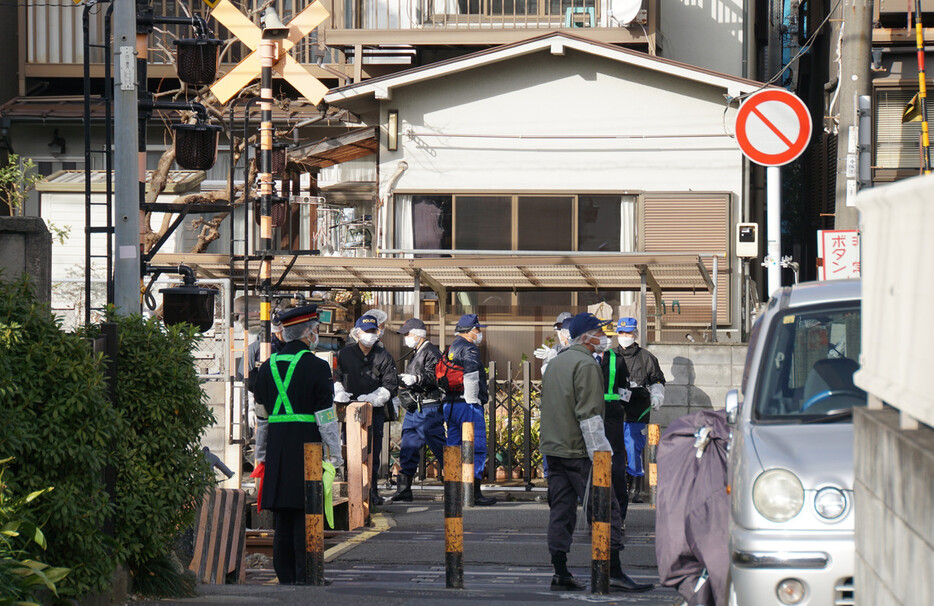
(651, 453)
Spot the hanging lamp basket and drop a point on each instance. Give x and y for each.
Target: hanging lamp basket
(196, 60)
(196, 145)
(278, 157)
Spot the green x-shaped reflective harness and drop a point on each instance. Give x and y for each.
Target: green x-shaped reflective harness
(282, 399)
(610, 395)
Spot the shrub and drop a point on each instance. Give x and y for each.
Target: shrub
(60, 427)
(161, 472)
(20, 575)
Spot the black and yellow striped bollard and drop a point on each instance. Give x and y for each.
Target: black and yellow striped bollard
(467, 471)
(453, 519)
(314, 515)
(651, 452)
(600, 529)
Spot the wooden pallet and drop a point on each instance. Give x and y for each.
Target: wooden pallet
(220, 537)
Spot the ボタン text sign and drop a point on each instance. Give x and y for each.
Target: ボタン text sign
(773, 127)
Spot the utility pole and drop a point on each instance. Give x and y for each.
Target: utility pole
(855, 80)
(126, 146)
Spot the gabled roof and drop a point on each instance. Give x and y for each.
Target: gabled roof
(556, 42)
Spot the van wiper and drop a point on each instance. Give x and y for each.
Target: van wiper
(833, 417)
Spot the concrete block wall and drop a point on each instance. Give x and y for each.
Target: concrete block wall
(698, 376)
(26, 247)
(894, 492)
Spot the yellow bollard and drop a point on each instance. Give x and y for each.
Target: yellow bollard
(651, 452)
(314, 515)
(600, 530)
(453, 519)
(467, 471)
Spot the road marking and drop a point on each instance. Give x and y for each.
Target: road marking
(380, 524)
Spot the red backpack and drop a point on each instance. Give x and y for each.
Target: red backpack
(450, 375)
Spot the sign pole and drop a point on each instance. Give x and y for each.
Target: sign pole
(267, 57)
(773, 211)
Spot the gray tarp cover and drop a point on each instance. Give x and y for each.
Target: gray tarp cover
(693, 508)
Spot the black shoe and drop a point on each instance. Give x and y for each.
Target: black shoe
(478, 499)
(625, 583)
(403, 489)
(375, 499)
(568, 583)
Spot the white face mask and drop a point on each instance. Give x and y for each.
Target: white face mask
(368, 339)
(313, 341)
(478, 339)
(626, 340)
(603, 344)
(411, 342)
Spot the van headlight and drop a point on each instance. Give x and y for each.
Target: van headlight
(830, 503)
(778, 495)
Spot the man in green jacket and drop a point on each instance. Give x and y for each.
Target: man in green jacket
(572, 430)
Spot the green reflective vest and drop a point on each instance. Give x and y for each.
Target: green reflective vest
(282, 399)
(611, 395)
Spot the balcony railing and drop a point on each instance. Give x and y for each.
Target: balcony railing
(53, 41)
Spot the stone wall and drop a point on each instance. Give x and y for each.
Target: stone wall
(698, 376)
(894, 492)
(26, 246)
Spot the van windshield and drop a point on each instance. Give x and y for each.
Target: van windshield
(807, 373)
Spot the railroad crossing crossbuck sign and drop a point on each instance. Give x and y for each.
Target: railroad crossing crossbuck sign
(773, 127)
(250, 34)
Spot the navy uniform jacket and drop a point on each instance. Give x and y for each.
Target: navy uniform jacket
(614, 408)
(467, 355)
(310, 391)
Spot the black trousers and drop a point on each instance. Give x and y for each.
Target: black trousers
(288, 546)
(376, 442)
(567, 481)
(614, 427)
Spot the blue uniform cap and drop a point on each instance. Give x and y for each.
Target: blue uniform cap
(366, 323)
(584, 322)
(626, 325)
(469, 322)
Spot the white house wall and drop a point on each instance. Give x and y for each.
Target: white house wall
(705, 33)
(571, 123)
(610, 127)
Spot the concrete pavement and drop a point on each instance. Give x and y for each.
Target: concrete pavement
(400, 560)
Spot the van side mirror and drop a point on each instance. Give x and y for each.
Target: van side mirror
(732, 406)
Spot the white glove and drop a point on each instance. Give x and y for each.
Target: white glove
(657, 392)
(340, 394)
(408, 379)
(376, 398)
(397, 405)
(595, 436)
(542, 352)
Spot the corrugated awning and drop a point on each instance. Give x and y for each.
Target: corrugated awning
(342, 148)
(665, 272)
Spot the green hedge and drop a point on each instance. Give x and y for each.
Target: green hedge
(62, 430)
(162, 473)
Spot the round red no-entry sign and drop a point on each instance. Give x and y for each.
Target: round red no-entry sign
(773, 127)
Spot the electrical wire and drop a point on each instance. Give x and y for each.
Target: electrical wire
(804, 48)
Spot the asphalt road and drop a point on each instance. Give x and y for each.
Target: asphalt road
(400, 561)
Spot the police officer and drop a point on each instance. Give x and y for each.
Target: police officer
(294, 388)
(365, 372)
(572, 430)
(424, 421)
(647, 383)
(467, 405)
(616, 395)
